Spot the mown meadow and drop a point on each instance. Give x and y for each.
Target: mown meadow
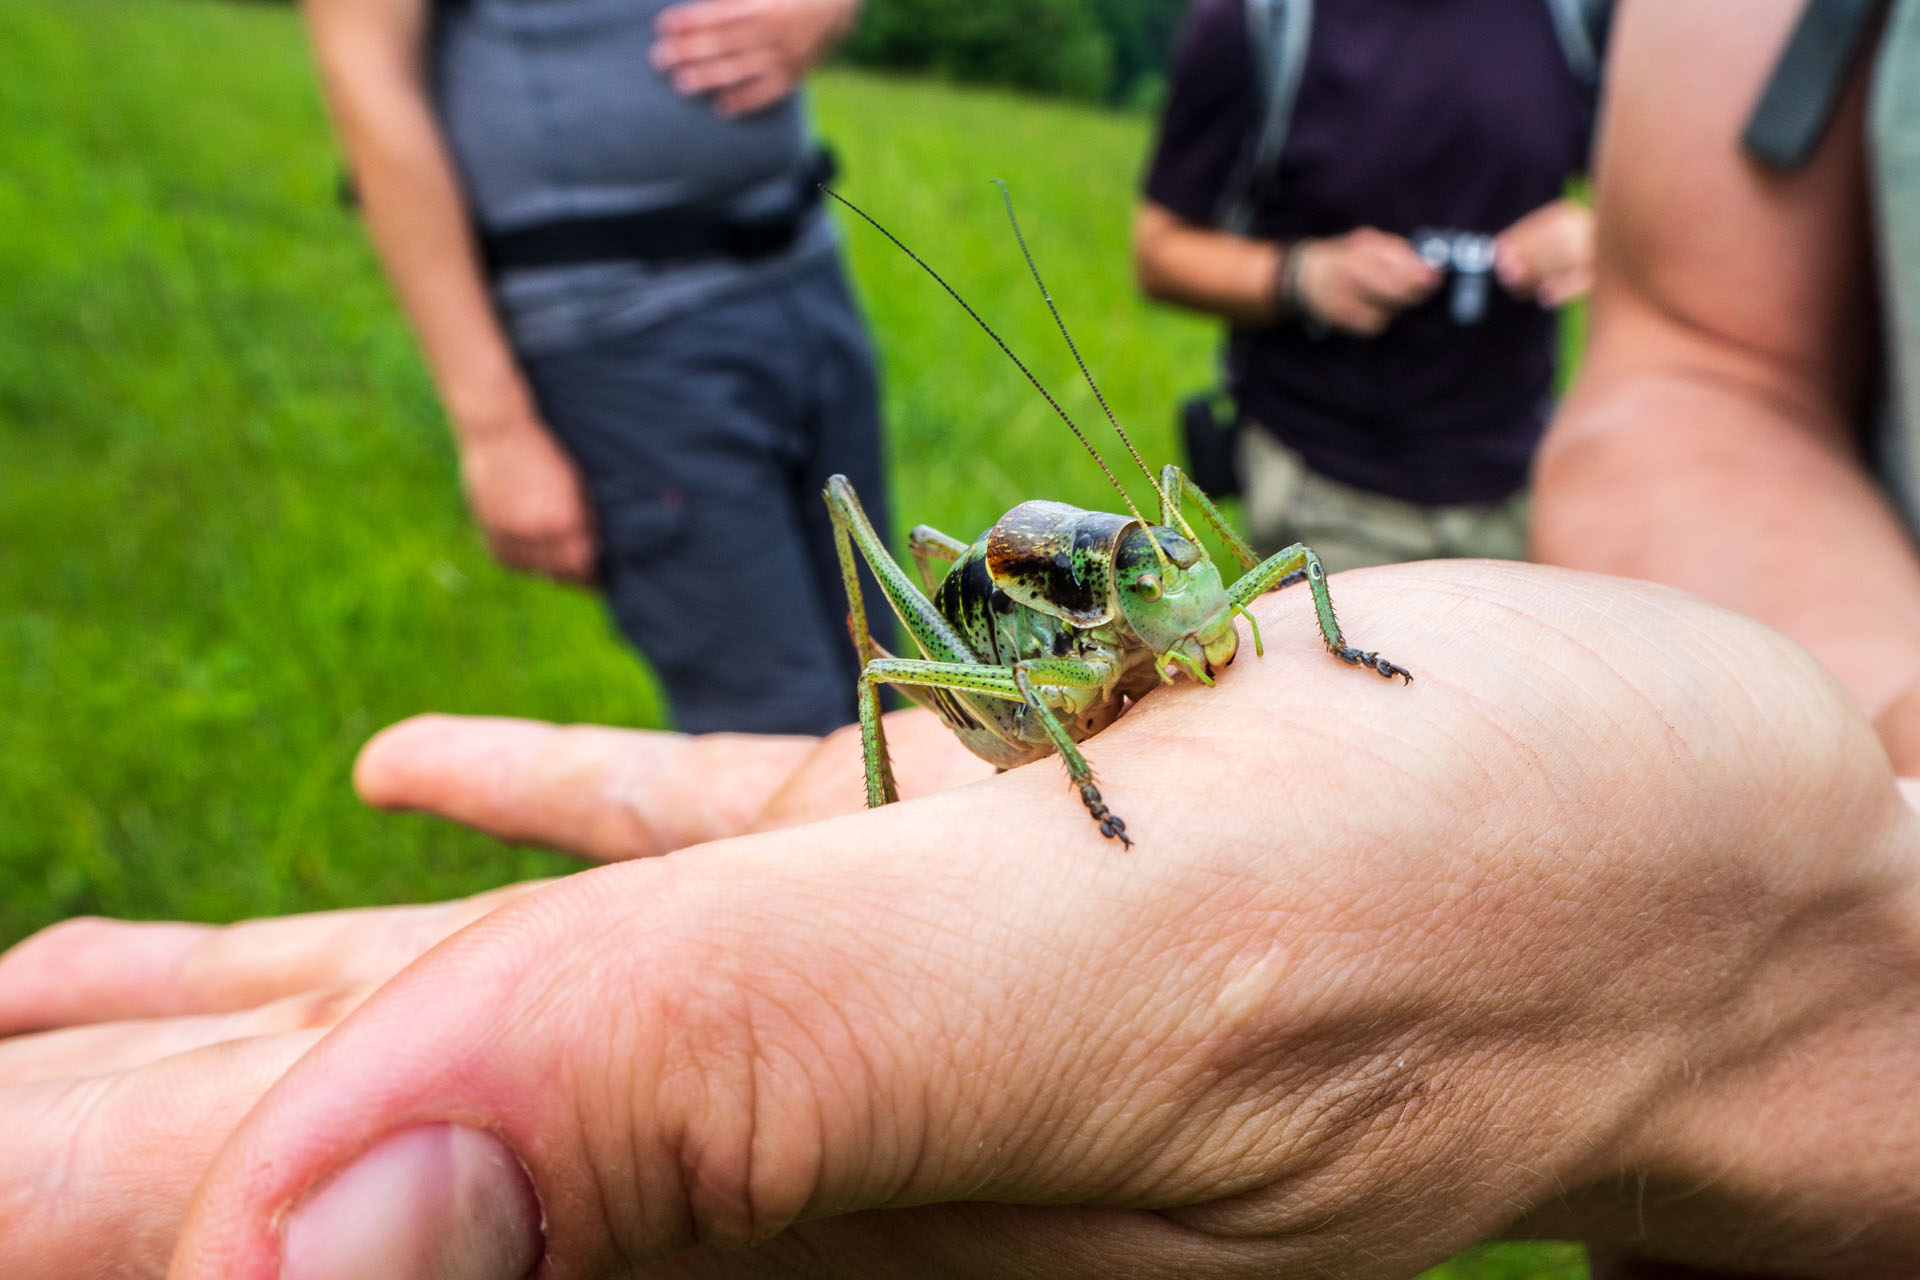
(232, 544)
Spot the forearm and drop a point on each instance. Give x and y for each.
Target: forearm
(416, 216)
(1212, 271)
(418, 224)
(1749, 497)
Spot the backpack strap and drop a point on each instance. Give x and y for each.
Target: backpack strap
(1278, 32)
(1581, 27)
(1806, 85)
(1893, 154)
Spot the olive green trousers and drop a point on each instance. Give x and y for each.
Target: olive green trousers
(1351, 528)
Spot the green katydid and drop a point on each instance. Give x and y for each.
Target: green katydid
(1046, 626)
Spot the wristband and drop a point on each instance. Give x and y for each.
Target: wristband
(1288, 302)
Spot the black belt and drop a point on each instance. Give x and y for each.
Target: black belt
(661, 235)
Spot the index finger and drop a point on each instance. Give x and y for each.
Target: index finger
(605, 794)
(89, 970)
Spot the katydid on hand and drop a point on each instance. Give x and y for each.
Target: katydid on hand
(1042, 630)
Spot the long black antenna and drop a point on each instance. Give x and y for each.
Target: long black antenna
(1033, 268)
(1018, 363)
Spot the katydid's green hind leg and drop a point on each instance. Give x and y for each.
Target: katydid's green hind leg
(874, 757)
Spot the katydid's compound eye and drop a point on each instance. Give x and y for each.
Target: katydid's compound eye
(1147, 586)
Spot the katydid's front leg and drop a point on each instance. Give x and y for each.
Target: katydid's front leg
(923, 622)
(1299, 559)
(1176, 486)
(1282, 569)
(1015, 684)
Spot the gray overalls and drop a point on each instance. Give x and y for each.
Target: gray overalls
(705, 396)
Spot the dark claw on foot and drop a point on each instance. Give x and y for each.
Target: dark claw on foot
(1110, 824)
(1387, 670)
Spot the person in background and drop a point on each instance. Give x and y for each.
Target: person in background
(1371, 194)
(602, 218)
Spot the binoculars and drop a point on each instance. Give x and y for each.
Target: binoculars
(1467, 256)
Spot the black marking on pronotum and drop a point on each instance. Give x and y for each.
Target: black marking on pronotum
(1055, 558)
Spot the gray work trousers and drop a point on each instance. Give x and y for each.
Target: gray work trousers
(705, 441)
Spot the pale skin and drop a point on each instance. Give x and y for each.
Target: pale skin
(525, 492)
(1608, 927)
(1732, 327)
(1355, 283)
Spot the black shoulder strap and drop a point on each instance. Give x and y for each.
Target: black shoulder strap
(1800, 96)
(1278, 32)
(1581, 26)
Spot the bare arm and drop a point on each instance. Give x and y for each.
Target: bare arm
(523, 489)
(1357, 282)
(1197, 267)
(1710, 441)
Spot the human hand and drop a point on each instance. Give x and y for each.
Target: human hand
(129, 1051)
(529, 501)
(747, 54)
(1357, 283)
(1537, 937)
(1899, 729)
(1547, 255)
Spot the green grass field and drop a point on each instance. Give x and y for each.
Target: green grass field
(231, 541)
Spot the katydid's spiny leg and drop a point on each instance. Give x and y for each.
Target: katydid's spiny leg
(930, 631)
(1284, 566)
(938, 640)
(1077, 767)
(928, 544)
(1177, 485)
(1015, 684)
(878, 764)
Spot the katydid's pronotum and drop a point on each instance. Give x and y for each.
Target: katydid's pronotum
(1045, 627)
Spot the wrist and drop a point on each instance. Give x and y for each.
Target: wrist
(1289, 301)
(490, 409)
(1781, 1138)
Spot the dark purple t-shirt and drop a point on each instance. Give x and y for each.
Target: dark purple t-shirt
(1459, 114)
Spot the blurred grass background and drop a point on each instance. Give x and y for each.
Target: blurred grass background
(231, 539)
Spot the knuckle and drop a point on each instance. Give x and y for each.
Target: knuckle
(745, 1175)
(314, 1010)
(749, 1049)
(703, 1127)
